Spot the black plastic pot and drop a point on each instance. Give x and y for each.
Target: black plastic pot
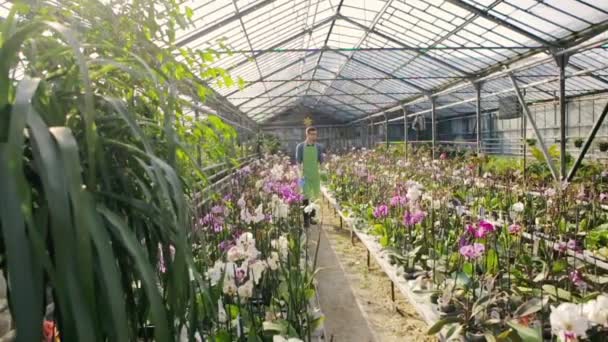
(410, 274)
(547, 334)
(434, 298)
(146, 332)
(474, 337)
(446, 308)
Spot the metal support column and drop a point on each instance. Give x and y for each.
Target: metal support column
(199, 158)
(369, 133)
(478, 116)
(386, 130)
(405, 133)
(524, 133)
(433, 125)
(536, 131)
(596, 127)
(562, 61)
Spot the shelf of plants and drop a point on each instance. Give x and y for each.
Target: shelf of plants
(121, 215)
(257, 263)
(491, 260)
(407, 288)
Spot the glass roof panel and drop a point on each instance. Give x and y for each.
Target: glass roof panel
(357, 57)
(5, 8)
(549, 20)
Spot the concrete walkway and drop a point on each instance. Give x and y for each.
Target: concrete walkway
(344, 320)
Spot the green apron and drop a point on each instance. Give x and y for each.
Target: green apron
(312, 181)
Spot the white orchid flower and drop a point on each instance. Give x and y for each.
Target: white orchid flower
(568, 322)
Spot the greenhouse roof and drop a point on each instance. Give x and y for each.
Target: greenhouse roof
(356, 58)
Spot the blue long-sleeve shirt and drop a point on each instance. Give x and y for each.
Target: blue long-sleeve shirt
(300, 152)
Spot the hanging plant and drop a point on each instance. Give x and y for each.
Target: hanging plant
(578, 142)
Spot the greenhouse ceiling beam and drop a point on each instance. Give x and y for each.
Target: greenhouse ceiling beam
(199, 109)
(215, 99)
(357, 83)
(596, 127)
(361, 40)
(338, 110)
(283, 100)
(345, 93)
(343, 103)
(410, 84)
(370, 79)
(487, 15)
(223, 23)
(383, 49)
(486, 95)
(263, 79)
(595, 77)
(285, 41)
(280, 104)
(398, 42)
(488, 75)
(255, 60)
(317, 63)
(360, 94)
(271, 89)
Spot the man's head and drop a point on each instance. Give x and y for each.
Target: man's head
(311, 135)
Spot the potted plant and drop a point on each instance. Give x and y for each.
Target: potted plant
(578, 142)
(531, 142)
(603, 145)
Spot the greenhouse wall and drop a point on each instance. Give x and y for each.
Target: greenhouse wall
(505, 136)
(331, 137)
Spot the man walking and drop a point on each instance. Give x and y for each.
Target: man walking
(309, 157)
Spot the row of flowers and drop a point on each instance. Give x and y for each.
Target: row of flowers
(492, 251)
(251, 248)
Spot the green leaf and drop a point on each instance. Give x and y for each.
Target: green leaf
(489, 336)
(557, 292)
(126, 238)
(274, 326)
(560, 266)
(531, 306)
(88, 105)
(492, 261)
(189, 13)
(467, 268)
(462, 279)
(525, 333)
(25, 274)
(241, 83)
(441, 323)
(222, 336)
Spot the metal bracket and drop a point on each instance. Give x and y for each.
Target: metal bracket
(536, 131)
(587, 144)
(560, 57)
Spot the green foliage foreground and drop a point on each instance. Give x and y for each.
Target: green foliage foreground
(96, 167)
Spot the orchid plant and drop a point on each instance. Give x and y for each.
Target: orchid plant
(256, 260)
(513, 244)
